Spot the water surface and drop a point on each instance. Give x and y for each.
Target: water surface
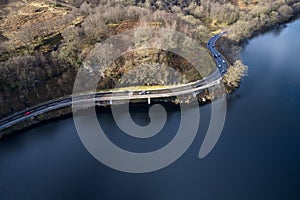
(257, 156)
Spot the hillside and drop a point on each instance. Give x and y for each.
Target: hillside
(44, 43)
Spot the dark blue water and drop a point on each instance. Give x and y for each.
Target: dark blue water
(257, 156)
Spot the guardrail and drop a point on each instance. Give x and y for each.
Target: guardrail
(172, 91)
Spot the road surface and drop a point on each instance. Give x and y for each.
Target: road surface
(189, 88)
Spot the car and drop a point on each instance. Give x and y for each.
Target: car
(219, 65)
(208, 43)
(213, 45)
(215, 55)
(144, 92)
(223, 61)
(27, 113)
(219, 55)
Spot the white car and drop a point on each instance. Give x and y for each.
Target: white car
(144, 92)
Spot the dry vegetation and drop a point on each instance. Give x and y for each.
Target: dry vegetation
(234, 75)
(43, 43)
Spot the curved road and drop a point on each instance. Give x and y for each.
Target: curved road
(206, 82)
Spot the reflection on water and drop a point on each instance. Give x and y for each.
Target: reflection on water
(257, 156)
(278, 30)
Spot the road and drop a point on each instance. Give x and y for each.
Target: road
(189, 88)
(220, 60)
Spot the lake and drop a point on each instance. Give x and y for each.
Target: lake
(256, 157)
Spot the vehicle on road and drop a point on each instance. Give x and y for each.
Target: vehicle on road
(27, 113)
(144, 92)
(221, 67)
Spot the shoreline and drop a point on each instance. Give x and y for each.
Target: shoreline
(170, 103)
(269, 28)
(231, 54)
(203, 90)
(67, 112)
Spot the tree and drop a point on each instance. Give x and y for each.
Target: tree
(94, 28)
(286, 11)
